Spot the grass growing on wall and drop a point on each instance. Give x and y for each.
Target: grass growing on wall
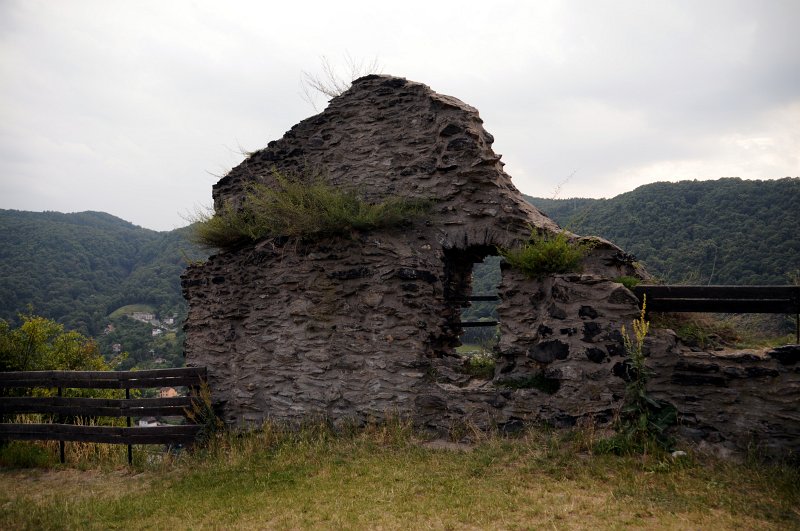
(298, 207)
(547, 254)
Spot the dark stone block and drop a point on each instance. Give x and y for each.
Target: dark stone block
(460, 144)
(537, 381)
(786, 355)
(391, 83)
(624, 370)
(621, 258)
(508, 367)
(409, 286)
(755, 372)
(498, 400)
(190, 283)
(733, 372)
(430, 402)
(350, 274)
(616, 336)
(549, 351)
(545, 331)
(596, 355)
(406, 273)
(450, 130)
(746, 356)
(615, 349)
(556, 312)
(587, 312)
(698, 379)
(591, 330)
(571, 331)
(696, 366)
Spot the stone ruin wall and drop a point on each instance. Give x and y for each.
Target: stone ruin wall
(360, 328)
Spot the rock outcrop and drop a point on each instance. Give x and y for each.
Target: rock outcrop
(364, 327)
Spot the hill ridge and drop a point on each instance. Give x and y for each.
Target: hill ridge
(728, 230)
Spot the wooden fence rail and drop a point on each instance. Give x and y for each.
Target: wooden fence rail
(70, 407)
(722, 299)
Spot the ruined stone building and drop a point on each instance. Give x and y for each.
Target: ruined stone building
(362, 327)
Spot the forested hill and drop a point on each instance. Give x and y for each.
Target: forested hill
(727, 231)
(78, 268)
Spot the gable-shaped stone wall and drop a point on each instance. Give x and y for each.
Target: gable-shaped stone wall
(363, 327)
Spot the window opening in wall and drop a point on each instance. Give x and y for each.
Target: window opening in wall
(479, 319)
(473, 276)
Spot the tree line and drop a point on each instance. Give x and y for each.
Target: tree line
(725, 231)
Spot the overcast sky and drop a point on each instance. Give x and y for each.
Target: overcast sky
(136, 108)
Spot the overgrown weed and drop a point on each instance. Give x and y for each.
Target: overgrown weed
(547, 254)
(643, 421)
(302, 207)
(628, 281)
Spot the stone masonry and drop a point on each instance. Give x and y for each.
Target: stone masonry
(363, 327)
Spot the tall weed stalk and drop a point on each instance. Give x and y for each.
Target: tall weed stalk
(643, 420)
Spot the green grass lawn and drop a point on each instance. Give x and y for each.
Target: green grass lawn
(131, 308)
(389, 478)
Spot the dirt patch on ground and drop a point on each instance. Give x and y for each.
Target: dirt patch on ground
(441, 444)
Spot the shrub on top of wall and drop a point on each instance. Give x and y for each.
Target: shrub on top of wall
(547, 254)
(305, 208)
(628, 281)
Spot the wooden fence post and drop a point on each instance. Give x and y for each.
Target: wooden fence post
(61, 421)
(128, 422)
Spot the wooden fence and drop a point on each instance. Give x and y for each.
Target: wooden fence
(69, 407)
(722, 299)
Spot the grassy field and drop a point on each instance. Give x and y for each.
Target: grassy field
(389, 478)
(131, 308)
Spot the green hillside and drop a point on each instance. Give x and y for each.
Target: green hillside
(726, 231)
(79, 268)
